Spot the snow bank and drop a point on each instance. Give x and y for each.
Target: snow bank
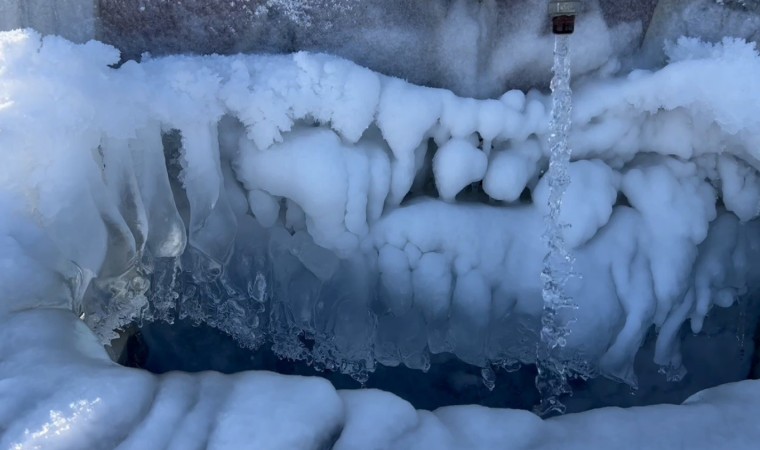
(78, 398)
(116, 406)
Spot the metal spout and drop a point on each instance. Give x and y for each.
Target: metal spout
(562, 14)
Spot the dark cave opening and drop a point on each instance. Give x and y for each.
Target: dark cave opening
(159, 347)
(716, 356)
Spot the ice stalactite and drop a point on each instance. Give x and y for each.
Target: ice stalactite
(552, 376)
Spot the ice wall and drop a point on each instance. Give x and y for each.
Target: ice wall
(328, 209)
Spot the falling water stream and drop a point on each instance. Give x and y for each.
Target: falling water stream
(553, 371)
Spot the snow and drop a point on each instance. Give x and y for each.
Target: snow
(510, 170)
(297, 180)
(707, 19)
(584, 214)
(456, 165)
(132, 409)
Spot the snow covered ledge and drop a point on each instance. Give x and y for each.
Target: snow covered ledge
(60, 390)
(330, 151)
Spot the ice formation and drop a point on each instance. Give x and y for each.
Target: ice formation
(325, 155)
(350, 219)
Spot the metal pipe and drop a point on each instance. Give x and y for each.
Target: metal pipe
(562, 14)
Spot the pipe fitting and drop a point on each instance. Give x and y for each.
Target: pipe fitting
(562, 14)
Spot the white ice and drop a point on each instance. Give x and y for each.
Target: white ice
(338, 156)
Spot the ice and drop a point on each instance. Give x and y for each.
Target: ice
(176, 410)
(212, 223)
(510, 170)
(707, 19)
(739, 187)
(396, 277)
(676, 217)
(365, 427)
(405, 116)
(470, 312)
(323, 178)
(330, 214)
(165, 228)
(584, 215)
(458, 164)
(127, 407)
(332, 184)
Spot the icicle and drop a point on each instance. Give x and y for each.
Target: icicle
(166, 232)
(212, 221)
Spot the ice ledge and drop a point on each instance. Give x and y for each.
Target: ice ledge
(78, 398)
